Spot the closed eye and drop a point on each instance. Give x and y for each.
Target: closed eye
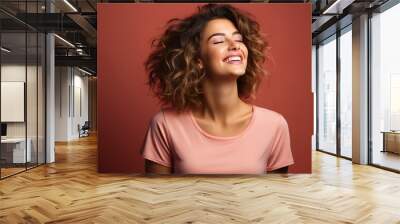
(241, 41)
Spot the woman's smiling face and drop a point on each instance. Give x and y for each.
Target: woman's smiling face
(222, 51)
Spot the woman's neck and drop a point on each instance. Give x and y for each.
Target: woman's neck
(221, 101)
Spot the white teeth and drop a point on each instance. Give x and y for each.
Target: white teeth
(233, 58)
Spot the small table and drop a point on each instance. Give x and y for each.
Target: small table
(391, 141)
(13, 150)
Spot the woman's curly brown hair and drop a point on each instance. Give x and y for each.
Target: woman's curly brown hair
(174, 74)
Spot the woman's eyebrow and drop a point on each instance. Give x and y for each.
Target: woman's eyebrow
(221, 34)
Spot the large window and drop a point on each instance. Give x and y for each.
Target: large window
(334, 60)
(385, 88)
(327, 95)
(346, 92)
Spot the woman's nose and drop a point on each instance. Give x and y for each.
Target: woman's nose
(234, 45)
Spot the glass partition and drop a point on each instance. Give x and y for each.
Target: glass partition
(13, 109)
(31, 100)
(327, 95)
(22, 88)
(41, 91)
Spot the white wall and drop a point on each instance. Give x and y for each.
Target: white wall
(62, 81)
(71, 94)
(81, 102)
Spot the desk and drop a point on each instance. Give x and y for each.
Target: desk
(391, 141)
(13, 150)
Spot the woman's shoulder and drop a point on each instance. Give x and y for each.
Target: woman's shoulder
(270, 116)
(167, 114)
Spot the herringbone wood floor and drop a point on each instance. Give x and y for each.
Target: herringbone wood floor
(71, 191)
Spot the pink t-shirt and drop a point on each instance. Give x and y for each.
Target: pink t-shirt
(176, 140)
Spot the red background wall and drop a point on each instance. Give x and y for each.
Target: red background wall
(125, 105)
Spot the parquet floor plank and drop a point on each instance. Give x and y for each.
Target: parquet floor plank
(71, 191)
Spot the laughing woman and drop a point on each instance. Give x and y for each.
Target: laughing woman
(203, 69)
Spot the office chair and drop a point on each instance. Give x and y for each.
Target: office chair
(84, 130)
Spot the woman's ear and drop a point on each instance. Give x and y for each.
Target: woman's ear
(200, 63)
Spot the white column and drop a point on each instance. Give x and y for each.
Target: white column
(50, 100)
(360, 90)
(50, 92)
(62, 103)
